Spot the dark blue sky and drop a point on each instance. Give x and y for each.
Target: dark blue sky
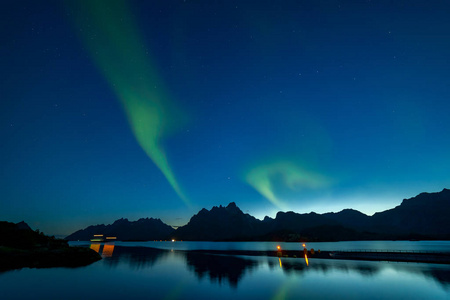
(159, 108)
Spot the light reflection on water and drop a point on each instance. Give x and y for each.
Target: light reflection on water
(146, 273)
(104, 249)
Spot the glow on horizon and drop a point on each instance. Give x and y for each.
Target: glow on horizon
(368, 205)
(114, 42)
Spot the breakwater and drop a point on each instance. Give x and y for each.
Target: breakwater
(370, 255)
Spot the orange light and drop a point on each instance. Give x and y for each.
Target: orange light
(95, 247)
(111, 237)
(278, 247)
(304, 245)
(98, 234)
(306, 259)
(281, 265)
(108, 250)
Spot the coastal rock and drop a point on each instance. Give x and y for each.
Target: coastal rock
(21, 247)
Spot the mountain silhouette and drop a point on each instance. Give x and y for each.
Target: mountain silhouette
(422, 217)
(426, 215)
(220, 223)
(23, 226)
(350, 218)
(231, 224)
(124, 230)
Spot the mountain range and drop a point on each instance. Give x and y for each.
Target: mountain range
(141, 230)
(422, 217)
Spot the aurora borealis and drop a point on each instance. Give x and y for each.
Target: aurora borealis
(120, 54)
(264, 180)
(136, 109)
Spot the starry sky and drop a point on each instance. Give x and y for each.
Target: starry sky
(136, 109)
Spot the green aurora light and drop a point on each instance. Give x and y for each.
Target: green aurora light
(293, 177)
(113, 40)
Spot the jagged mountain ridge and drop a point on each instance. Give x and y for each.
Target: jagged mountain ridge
(220, 223)
(142, 229)
(230, 223)
(424, 216)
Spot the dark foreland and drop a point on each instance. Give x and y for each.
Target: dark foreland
(422, 217)
(22, 247)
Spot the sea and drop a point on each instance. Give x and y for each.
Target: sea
(168, 270)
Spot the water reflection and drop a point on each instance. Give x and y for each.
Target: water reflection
(218, 267)
(136, 257)
(96, 247)
(232, 269)
(105, 250)
(144, 273)
(108, 250)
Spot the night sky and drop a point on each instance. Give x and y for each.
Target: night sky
(135, 109)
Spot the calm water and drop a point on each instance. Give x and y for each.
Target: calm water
(442, 246)
(129, 272)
